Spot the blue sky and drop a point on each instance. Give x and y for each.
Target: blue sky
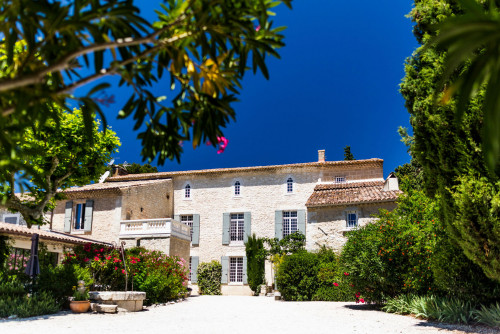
(336, 84)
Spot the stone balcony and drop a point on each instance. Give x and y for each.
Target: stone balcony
(154, 228)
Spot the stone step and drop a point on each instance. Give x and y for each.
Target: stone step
(104, 308)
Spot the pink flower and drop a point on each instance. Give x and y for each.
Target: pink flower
(336, 284)
(96, 258)
(346, 274)
(86, 259)
(361, 300)
(116, 268)
(222, 141)
(257, 28)
(123, 271)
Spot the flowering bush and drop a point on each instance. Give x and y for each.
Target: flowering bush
(162, 277)
(209, 278)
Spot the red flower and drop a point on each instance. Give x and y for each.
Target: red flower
(123, 271)
(346, 274)
(86, 259)
(108, 257)
(116, 268)
(96, 258)
(336, 284)
(361, 300)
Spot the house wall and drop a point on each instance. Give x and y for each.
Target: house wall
(262, 193)
(327, 225)
(148, 201)
(105, 218)
(5, 212)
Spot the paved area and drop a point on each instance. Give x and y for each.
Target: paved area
(224, 314)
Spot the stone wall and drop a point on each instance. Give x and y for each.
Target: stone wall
(105, 218)
(327, 226)
(180, 248)
(148, 201)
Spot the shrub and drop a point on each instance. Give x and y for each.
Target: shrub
(297, 276)
(209, 278)
(333, 280)
(58, 281)
(488, 315)
(256, 257)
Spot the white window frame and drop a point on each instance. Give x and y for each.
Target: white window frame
(187, 191)
(289, 186)
(237, 188)
(190, 262)
(236, 270)
(82, 217)
(236, 228)
(188, 220)
(290, 220)
(340, 179)
(349, 222)
(11, 215)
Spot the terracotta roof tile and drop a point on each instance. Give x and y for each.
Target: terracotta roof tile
(11, 229)
(310, 165)
(351, 193)
(114, 187)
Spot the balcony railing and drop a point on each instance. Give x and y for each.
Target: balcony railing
(160, 227)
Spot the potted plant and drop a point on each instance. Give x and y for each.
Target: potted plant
(80, 302)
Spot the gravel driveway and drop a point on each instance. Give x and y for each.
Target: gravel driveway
(228, 314)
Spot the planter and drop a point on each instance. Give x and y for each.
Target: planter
(79, 306)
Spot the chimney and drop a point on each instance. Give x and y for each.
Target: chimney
(391, 183)
(321, 155)
(118, 170)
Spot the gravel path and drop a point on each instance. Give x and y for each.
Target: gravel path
(228, 314)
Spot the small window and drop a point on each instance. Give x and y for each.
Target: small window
(339, 179)
(237, 190)
(11, 218)
(352, 219)
(188, 220)
(187, 191)
(79, 221)
(289, 222)
(236, 270)
(237, 227)
(289, 185)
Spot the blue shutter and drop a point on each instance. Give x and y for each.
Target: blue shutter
(195, 260)
(245, 279)
(248, 219)
(225, 269)
(67, 216)
(225, 228)
(196, 230)
(89, 208)
(301, 221)
(278, 224)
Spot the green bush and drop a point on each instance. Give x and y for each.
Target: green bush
(256, 258)
(15, 301)
(334, 282)
(488, 315)
(209, 278)
(57, 281)
(297, 276)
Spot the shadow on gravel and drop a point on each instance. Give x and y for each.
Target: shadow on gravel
(40, 317)
(363, 307)
(463, 328)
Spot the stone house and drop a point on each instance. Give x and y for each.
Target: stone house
(322, 199)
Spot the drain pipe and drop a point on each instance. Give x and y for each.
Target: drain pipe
(122, 250)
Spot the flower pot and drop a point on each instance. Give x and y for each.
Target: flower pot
(79, 306)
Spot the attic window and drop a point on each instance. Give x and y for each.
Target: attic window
(289, 185)
(339, 179)
(187, 191)
(237, 190)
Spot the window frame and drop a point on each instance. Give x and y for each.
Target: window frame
(290, 185)
(235, 270)
(82, 217)
(237, 188)
(339, 179)
(11, 215)
(348, 220)
(188, 222)
(236, 224)
(187, 191)
(289, 218)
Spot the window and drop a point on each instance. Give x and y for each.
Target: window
(339, 179)
(188, 220)
(79, 221)
(289, 185)
(237, 227)
(187, 191)
(236, 270)
(352, 219)
(190, 266)
(237, 186)
(11, 218)
(289, 222)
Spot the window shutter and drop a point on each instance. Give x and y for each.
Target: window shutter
(301, 221)
(245, 279)
(225, 269)
(89, 208)
(225, 228)
(278, 224)
(67, 216)
(195, 260)
(196, 229)
(248, 220)
(177, 218)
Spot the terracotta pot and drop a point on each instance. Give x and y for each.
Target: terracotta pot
(79, 306)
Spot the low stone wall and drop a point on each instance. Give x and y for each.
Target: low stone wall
(130, 301)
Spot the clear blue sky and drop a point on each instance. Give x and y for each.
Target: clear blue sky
(335, 85)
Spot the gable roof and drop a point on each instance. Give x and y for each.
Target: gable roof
(11, 229)
(308, 165)
(351, 193)
(110, 188)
